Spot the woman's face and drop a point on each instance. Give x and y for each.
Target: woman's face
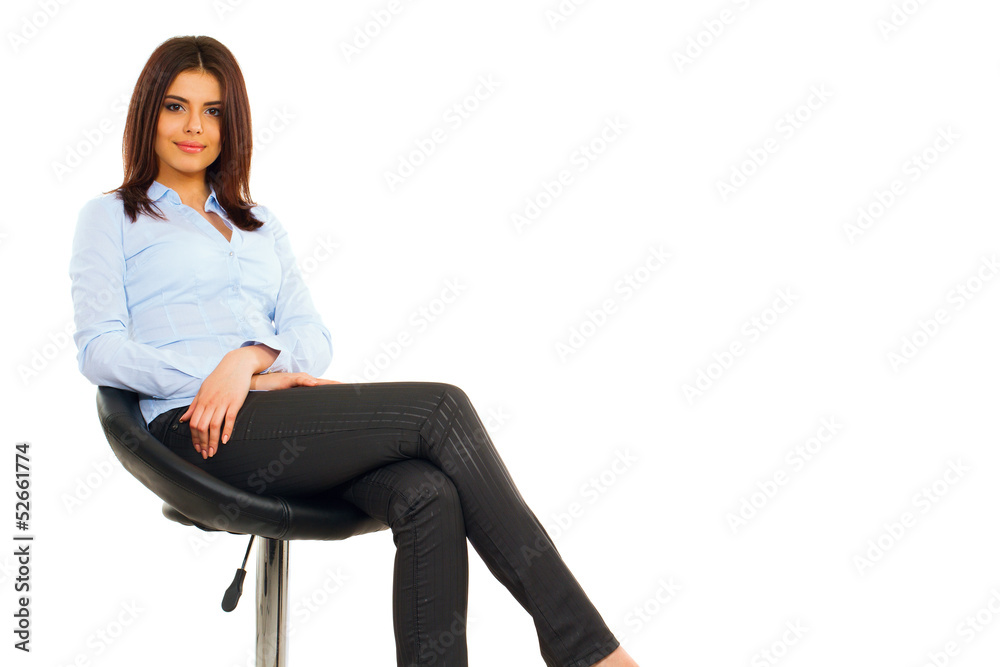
(188, 131)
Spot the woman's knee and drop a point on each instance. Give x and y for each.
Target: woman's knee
(421, 486)
(455, 392)
(444, 390)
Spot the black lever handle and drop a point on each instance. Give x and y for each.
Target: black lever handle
(235, 589)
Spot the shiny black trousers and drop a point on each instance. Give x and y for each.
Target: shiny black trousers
(416, 456)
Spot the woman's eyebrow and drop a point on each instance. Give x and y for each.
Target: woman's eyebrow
(178, 97)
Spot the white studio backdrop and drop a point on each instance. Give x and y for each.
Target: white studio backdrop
(720, 277)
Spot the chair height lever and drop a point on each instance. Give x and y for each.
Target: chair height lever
(235, 589)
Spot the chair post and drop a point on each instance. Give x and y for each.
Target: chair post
(272, 601)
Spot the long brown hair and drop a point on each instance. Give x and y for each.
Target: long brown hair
(230, 172)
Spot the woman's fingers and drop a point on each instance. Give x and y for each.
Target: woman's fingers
(227, 429)
(214, 432)
(212, 413)
(200, 422)
(192, 415)
(211, 430)
(217, 426)
(282, 380)
(212, 416)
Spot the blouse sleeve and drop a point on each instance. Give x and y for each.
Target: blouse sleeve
(302, 341)
(106, 354)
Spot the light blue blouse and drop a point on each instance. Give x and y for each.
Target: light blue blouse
(157, 304)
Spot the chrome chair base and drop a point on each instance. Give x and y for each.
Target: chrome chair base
(272, 601)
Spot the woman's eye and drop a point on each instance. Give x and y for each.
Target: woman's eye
(174, 106)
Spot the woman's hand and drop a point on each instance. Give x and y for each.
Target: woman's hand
(221, 395)
(275, 381)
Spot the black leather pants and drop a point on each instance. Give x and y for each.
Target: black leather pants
(416, 456)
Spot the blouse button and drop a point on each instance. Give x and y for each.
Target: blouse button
(230, 253)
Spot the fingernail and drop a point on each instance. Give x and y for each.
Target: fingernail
(225, 438)
(211, 451)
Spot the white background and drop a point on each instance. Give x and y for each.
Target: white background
(329, 127)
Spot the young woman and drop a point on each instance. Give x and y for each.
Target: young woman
(188, 293)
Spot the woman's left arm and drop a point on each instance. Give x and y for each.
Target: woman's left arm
(299, 348)
(302, 341)
(213, 411)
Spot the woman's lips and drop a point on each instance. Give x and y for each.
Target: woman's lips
(191, 148)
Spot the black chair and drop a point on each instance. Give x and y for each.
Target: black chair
(194, 498)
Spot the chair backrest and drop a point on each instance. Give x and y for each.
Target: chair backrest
(210, 503)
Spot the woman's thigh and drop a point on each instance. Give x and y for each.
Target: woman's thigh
(303, 440)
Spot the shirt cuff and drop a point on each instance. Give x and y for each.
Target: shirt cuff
(280, 363)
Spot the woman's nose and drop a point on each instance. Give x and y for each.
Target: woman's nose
(193, 124)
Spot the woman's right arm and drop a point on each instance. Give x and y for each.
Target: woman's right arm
(105, 353)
